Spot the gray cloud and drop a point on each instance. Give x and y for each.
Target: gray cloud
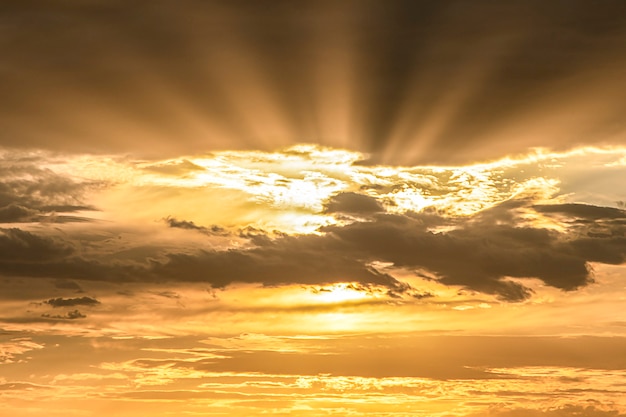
(276, 261)
(29, 193)
(70, 315)
(352, 203)
(478, 253)
(189, 225)
(591, 223)
(285, 260)
(582, 211)
(17, 245)
(483, 250)
(14, 213)
(474, 256)
(167, 294)
(71, 302)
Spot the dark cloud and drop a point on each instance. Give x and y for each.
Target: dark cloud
(55, 255)
(283, 260)
(70, 315)
(167, 294)
(287, 260)
(29, 193)
(352, 203)
(14, 213)
(17, 245)
(480, 253)
(427, 81)
(591, 222)
(71, 302)
(582, 211)
(189, 225)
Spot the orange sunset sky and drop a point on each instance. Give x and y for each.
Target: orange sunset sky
(312, 208)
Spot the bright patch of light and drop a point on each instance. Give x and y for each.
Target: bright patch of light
(339, 293)
(287, 190)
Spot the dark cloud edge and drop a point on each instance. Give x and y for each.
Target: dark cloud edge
(481, 253)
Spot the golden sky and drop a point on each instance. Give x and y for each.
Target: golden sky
(245, 208)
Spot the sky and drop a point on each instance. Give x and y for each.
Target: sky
(354, 207)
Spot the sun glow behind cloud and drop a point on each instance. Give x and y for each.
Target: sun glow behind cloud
(295, 192)
(288, 189)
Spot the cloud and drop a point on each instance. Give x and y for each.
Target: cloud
(306, 259)
(582, 211)
(21, 386)
(483, 252)
(416, 355)
(22, 246)
(71, 302)
(15, 347)
(175, 168)
(189, 225)
(475, 256)
(283, 260)
(14, 213)
(589, 221)
(30, 193)
(569, 410)
(167, 294)
(352, 203)
(70, 315)
(480, 252)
